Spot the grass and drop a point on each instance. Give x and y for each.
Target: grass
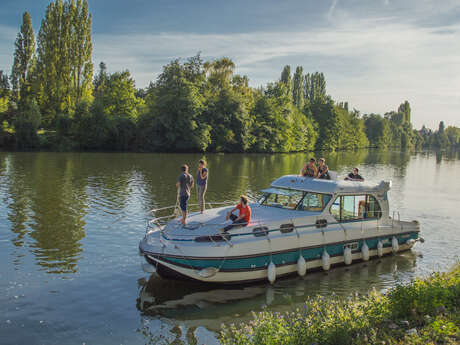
(425, 311)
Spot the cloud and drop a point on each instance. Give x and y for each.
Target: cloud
(375, 64)
(7, 37)
(330, 12)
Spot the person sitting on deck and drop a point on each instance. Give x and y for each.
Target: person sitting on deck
(323, 170)
(310, 169)
(354, 176)
(244, 214)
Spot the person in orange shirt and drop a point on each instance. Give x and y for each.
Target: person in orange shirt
(244, 216)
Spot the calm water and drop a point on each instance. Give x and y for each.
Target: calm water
(70, 224)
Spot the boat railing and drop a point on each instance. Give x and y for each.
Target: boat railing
(158, 222)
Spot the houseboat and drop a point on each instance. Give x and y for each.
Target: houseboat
(298, 224)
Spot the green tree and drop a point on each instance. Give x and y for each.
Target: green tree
(404, 109)
(279, 126)
(298, 88)
(377, 130)
(64, 64)
(330, 126)
(4, 93)
(453, 134)
(26, 125)
(117, 94)
(24, 62)
(175, 120)
(286, 79)
(81, 50)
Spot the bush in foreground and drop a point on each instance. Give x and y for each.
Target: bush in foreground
(426, 311)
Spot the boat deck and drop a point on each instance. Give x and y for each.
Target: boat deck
(210, 222)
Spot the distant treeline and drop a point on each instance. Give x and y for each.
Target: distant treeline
(52, 100)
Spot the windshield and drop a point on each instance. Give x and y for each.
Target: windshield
(294, 200)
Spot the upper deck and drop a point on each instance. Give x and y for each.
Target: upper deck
(309, 184)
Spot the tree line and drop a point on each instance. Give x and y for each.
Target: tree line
(53, 100)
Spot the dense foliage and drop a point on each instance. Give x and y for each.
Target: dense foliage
(426, 311)
(55, 102)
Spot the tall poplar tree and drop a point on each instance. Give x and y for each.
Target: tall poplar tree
(286, 79)
(64, 57)
(297, 89)
(24, 62)
(81, 47)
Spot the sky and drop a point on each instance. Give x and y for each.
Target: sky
(375, 54)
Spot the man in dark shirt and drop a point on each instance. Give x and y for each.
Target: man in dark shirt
(354, 176)
(184, 184)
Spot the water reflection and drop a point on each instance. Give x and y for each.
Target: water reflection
(197, 304)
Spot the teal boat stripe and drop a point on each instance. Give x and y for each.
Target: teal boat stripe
(371, 242)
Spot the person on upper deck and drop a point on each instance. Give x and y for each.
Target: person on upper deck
(323, 170)
(184, 184)
(244, 216)
(310, 169)
(354, 176)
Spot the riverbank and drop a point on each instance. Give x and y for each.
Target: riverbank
(426, 311)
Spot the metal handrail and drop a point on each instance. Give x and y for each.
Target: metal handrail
(228, 202)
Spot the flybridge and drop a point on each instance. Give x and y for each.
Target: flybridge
(309, 184)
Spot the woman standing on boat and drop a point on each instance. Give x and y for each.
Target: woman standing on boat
(310, 169)
(201, 183)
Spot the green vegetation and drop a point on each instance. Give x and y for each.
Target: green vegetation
(55, 102)
(426, 311)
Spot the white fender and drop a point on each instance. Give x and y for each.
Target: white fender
(380, 248)
(326, 261)
(347, 257)
(394, 244)
(301, 266)
(208, 272)
(411, 242)
(271, 272)
(365, 251)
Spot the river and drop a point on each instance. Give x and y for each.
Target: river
(70, 224)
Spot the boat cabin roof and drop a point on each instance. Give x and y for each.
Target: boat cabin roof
(308, 184)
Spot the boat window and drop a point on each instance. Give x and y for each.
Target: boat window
(355, 207)
(281, 198)
(315, 202)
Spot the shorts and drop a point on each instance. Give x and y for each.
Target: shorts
(183, 199)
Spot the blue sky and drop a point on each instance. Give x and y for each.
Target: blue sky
(375, 54)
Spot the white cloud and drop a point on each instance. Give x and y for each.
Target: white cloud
(330, 12)
(375, 64)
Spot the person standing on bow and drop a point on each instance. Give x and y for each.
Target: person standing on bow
(201, 183)
(184, 184)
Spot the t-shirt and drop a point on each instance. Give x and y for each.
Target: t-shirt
(201, 181)
(356, 177)
(185, 183)
(245, 212)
